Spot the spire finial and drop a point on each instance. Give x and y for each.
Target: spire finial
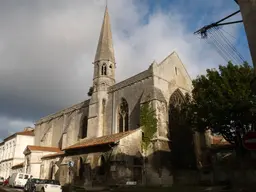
(106, 3)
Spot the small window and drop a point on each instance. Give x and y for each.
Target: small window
(176, 71)
(103, 106)
(104, 69)
(110, 66)
(26, 177)
(20, 176)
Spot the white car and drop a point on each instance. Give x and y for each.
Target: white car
(18, 179)
(49, 186)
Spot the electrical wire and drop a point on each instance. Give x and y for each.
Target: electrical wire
(225, 52)
(246, 46)
(223, 45)
(236, 53)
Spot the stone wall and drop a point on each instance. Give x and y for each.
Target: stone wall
(131, 90)
(49, 130)
(171, 74)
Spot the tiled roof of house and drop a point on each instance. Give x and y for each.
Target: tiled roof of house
(18, 165)
(219, 140)
(58, 154)
(41, 148)
(107, 139)
(25, 133)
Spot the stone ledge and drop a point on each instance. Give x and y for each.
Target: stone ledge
(131, 80)
(64, 111)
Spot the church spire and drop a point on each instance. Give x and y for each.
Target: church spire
(105, 50)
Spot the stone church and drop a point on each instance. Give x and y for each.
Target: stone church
(98, 141)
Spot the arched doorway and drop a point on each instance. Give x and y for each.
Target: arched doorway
(81, 168)
(181, 135)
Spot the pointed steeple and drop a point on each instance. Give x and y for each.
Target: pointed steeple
(105, 50)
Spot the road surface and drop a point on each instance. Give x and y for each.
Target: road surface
(8, 189)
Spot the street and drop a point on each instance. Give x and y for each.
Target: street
(8, 189)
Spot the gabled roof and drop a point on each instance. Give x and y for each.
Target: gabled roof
(42, 148)
(107, 139)
(58, 154)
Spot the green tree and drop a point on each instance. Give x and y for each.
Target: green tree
(148, 121)
(223, 101)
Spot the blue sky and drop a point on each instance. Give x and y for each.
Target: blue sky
(199, 13)
(47, 47)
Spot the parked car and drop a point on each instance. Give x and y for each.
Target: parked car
(1, 180)
(31, 184)
(18, 179)
(48, 186)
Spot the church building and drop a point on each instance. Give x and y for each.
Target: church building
(99, 141)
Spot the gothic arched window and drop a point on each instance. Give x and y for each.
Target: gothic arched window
(104, 69)
(176, 99)
(123, 116)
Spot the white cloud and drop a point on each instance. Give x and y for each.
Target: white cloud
(47, 50)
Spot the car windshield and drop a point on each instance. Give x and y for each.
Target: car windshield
(36, 180)
(53, 182)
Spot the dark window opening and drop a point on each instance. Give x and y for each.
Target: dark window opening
(103, 106)
(81, 169)
(84, 127)
(51, 172)
(102, 166)
(104, 69)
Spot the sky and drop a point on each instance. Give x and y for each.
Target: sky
(47, 47)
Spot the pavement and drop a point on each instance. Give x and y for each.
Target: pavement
(8, 189)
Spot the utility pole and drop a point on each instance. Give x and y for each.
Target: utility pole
(248, 12)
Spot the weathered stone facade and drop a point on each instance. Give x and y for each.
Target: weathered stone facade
(102, 136)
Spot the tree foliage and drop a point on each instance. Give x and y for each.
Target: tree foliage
(223, 101)
(181, 133)
(148, 121)
(90, 91)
